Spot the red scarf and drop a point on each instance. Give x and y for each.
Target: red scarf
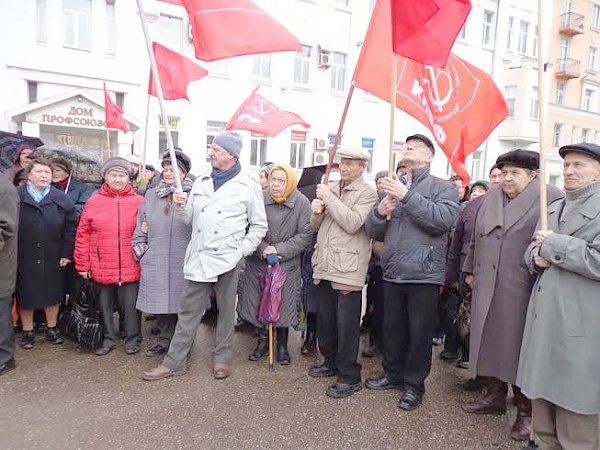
(62, 184)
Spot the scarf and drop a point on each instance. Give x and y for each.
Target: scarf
(164, 190)
(220, 177)
(37, 196)
(62, 184)
(292, 182)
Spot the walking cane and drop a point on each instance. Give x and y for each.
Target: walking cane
(271, 347)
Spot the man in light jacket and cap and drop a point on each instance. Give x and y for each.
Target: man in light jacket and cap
(422, 210)
(340, 264)
(559, 365)
(227, 213)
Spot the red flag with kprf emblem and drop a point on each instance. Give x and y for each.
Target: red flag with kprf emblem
(259, 115)
(113, 114)
(459, 103)
(175, 72)
(425, 30)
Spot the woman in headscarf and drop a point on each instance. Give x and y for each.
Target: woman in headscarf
(288, 216)
(159, 244)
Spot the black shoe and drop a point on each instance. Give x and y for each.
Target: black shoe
(371, 351)
(28, 339)
(410, 400)
(8, 366)
(103, 351)
(310, 344)
(150, 317)
(321, 371)
(341, 390)
(156, 351)
(262, 346)
(53, 336)
(381, 384)
(449, 355)
(283, 356)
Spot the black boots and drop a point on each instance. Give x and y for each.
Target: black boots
(310, 344)
(283, 356)
(262, 346)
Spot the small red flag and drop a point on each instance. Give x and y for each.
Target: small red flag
(175, 72)
(225, 28)
(460, 104)
(259, 115)
(114, 114)
(425, 30)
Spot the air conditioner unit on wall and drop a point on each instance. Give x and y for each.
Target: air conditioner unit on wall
(321, 144)
(324, 59)
(320, 158)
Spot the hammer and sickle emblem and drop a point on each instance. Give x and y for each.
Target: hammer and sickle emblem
(433, 87)
(262, 107)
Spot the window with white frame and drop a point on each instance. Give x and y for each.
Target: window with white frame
(586, 135)
(510, 96)
(592, 63)
(560, 92)
(297, 154)
(534, 110)
(345, 3)
(302, 65)
(511, 21)
(534, 45)
(338, 71)
(476, 165)
(170, 30)
(487, 34)
(596, 17)
(369, 145)
(41, 16)
(110, 27)
(77, 23)
(568, 6)
(589, 99)
(213, 129)
(523, 37)
(575, 134)
(261, 66)
(563, 49)
(557, 135)
(258, 151)
(163, 144)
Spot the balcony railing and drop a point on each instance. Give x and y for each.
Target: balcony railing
(571, 23)
(567, 68)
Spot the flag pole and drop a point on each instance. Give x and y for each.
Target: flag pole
(143, 168)
(394, 79)
(542, 121)
(159, 94)
(339, 133)
(107, 142)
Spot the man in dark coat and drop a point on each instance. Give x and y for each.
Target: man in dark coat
(9, 225)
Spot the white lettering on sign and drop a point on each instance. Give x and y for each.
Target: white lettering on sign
(74, 111)
(52, 118)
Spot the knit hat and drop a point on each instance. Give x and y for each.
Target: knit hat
(183, 161)
(63, 164)
(230, 141)
(424, 139)
(381, 174)
(525, 159)
(116, 163)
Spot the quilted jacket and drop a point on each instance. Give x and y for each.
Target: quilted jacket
(103, 241)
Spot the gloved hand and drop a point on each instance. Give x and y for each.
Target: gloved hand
(272, 259)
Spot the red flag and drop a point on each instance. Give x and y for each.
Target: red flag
(114, 114)
(225, 28)
(259, 115)
(424, 30)
(460, 104)
(175, 72)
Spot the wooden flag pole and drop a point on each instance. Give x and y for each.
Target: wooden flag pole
(159, 94)
(108, 143)
(339, 133)
(394, 77)
(144, 153)
(542, 120)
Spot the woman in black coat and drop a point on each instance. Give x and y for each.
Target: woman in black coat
(47, 224)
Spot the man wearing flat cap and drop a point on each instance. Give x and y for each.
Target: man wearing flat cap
(340, 264)
(559, 367)
(501, 283)
(421, 209)
(227, 214)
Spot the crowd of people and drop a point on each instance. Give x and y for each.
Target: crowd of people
(469, 267)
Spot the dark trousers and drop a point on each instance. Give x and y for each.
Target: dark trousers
(126, 297)
(375, 306)
(410, 314)
(166, 324)
(338, 330)
(7, 333)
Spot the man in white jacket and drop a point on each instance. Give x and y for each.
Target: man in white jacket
(227, 213)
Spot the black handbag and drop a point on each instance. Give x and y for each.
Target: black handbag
(80, 320)
(464, 317)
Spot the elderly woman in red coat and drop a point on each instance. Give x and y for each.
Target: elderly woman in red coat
(103, 252)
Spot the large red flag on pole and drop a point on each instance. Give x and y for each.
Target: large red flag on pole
(259, 115)
(225, 28)
(425, 30)
(175, 72)
(113, 114)
(460, 104)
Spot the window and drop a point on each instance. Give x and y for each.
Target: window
(162, 142)
(476, 163)
(564, 48)
(338, 71)
(557, 135)
(511, 21)
(534, 110)
(345, 3)
(463, 32)
(297, 152)
(302, 65)
(120, 99)
(586, 135)
(535, 42)
(575, 134)
(523, 37)
(487, 34)
(110, 28)
(262, 65)
(77, 23)
(258, 151)
(213, 129)
(510, 95)
(560, 92)
(596, 17)
(41, 22)
(589, 99)
(592, 59)
(369, 145)
(32, 91)
(170, 30)
(568, 6)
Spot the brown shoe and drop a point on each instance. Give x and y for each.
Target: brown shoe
(221, 371)
(493, 402)
(160, 372)
(521, 429)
